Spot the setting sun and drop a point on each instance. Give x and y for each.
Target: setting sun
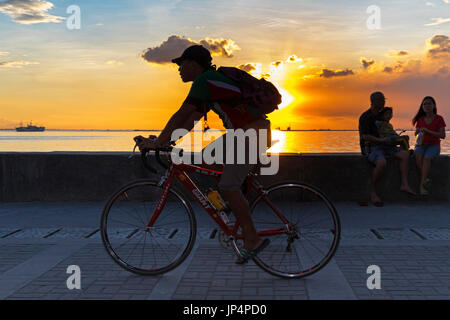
(286, 98)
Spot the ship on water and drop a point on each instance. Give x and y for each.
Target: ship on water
(30, 128)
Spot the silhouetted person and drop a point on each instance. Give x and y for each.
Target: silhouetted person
(386, 130)
(210, 90)
(376, 149)
(432, 127)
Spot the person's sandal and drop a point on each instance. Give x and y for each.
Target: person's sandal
(247, 254)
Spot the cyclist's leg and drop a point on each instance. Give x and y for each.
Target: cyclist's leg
(230, 186)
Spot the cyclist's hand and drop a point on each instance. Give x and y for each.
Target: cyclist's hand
(145, 143)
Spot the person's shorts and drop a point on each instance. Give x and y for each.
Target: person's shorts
(234, 174)
(429, 150)
(382, 151)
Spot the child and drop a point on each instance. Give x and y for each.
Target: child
(386, 130)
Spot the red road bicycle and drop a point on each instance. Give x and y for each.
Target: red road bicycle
(148, 227)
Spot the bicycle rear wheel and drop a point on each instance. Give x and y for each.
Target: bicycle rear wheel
(309, 239)
(156, 250)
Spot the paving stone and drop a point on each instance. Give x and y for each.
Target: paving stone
(407, 272)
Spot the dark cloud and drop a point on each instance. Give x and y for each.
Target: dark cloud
(29, 11)
(327, 73)
(397, 69)
(248, 67)
(440, 46)
(404, 67)
(398, 54)
(277, 63)
(294, 58)
(175, 45)
(367, 63)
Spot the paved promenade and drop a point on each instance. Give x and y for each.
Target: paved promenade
(409, 242)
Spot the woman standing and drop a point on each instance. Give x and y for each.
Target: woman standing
(432, 126)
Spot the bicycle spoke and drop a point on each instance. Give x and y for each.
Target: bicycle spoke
(134, 248)
(323, 219)
(147, 252)
(126, 223)
(166, 224)
(310, 218)
(312, 243)
(137, 215)
(143, 249)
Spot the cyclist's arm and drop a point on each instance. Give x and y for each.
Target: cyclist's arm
(182, 119)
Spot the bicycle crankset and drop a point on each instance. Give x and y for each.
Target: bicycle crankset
(226, 241)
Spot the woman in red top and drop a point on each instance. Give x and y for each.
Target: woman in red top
(432, 126)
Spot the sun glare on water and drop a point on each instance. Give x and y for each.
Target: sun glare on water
(278, 141)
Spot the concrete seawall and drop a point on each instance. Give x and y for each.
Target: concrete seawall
(93, 176)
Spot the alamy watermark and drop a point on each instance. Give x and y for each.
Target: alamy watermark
(74, 20)
(373, 22)
(74, 280)
(374, 280)
(235, 147)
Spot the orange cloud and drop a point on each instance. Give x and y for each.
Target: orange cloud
(439, 47)
(294, 58)
(327, 73)
(366, 63)
(329, 98)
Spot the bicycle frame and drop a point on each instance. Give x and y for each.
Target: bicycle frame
(180, 172)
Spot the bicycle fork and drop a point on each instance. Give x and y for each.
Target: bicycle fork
(162, 200)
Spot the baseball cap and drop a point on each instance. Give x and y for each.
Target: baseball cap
(197, 53)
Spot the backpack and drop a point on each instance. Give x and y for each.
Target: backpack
(259, 93)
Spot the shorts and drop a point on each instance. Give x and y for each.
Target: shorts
(234, 174)
(381, 151)
(429, 150)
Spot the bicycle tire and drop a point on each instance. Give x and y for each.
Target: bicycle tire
(113, 234)
(263, 259)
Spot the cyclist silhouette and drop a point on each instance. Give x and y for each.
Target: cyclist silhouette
(211, 90)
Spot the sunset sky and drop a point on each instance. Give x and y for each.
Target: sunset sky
(114, 72)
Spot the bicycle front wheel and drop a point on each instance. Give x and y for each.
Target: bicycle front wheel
(141, 250)
(308, 240)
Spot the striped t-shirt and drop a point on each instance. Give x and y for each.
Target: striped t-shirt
(213, 90)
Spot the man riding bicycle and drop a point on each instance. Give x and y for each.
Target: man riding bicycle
(213, 90)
